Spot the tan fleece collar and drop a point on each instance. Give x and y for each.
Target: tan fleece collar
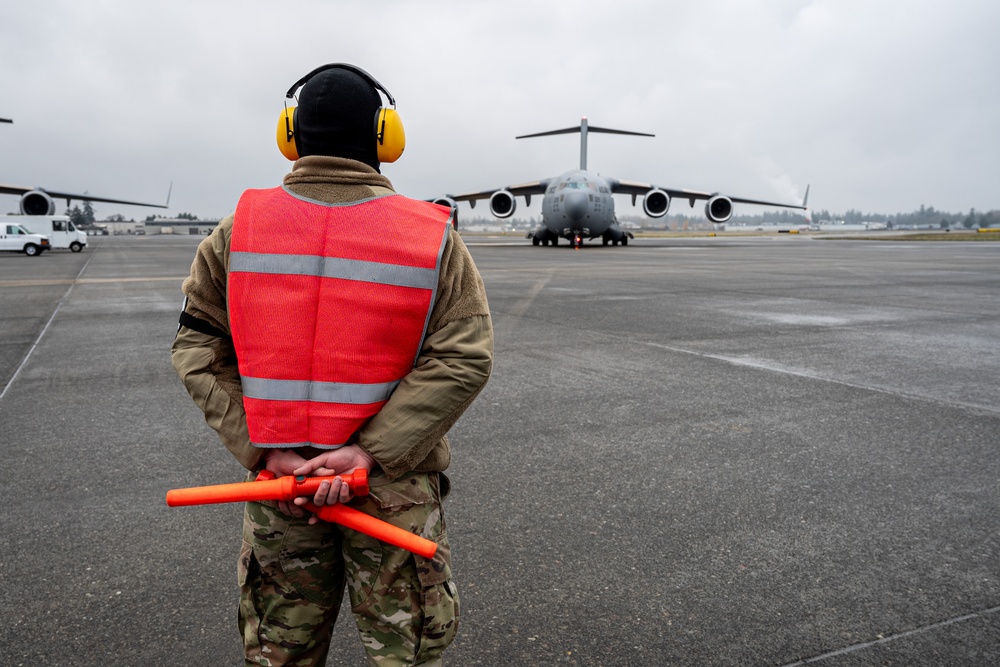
(321, 169)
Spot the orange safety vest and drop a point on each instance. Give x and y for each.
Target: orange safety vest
(328, 307)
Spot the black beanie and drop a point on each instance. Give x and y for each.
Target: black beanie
(336, 117)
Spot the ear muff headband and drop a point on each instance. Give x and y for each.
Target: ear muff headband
(389, 134)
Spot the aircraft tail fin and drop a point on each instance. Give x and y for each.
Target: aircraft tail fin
(583, 129)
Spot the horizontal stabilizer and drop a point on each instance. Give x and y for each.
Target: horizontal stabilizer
(590, 128)
(583, 129)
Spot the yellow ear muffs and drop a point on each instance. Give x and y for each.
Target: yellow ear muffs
(285, 134)
(389, 135)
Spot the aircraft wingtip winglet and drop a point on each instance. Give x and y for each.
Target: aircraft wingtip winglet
(171, 188)
(805, 200)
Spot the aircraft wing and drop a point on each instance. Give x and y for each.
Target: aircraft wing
(633, 188)
(522, 189)
(68, 196)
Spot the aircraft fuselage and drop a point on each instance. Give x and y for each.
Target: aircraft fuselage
(578, 205)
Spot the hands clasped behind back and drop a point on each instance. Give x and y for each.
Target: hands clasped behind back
(334, 462)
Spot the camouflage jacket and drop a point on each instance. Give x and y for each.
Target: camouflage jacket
(456, 359)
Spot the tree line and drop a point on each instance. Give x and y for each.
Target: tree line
(83, 216)
(925, 216)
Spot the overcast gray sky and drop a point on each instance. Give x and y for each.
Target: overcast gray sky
(882, 105)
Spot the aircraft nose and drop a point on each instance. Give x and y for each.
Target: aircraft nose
(576, 205)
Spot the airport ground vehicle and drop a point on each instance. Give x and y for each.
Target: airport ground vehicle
(15, 238)
(61, 232)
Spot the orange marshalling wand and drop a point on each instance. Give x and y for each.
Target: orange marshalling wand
(380, 530)
(267, 487)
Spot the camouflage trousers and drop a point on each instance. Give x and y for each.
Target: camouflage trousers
(292, 578)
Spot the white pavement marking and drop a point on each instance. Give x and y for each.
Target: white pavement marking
(776, 368)
(45, 328)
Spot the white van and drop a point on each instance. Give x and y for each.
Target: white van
(15, 238)
(61, 232)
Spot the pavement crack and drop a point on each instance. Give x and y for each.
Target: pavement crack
(891, 638)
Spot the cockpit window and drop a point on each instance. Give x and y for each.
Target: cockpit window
(579, 185)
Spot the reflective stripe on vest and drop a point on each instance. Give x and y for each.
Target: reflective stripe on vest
(321, 392)
(329, 306)
(333, 267)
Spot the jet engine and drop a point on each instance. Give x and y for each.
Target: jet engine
(718, 209)
(655, 203)
(445, 201)
(502, 203)
(37, 202)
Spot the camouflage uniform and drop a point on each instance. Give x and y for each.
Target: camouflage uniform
(292, 578)
(292, 575)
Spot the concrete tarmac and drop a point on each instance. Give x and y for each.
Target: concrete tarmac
(773, 450)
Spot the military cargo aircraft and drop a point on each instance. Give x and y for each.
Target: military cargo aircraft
(40, 201)
(578, 205)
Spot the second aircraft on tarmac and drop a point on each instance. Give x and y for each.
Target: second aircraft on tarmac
(578, 205)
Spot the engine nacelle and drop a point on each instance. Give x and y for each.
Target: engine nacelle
(502, 203)
(655, 203)
(450, 203)
(37, 202)
(718, 209)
